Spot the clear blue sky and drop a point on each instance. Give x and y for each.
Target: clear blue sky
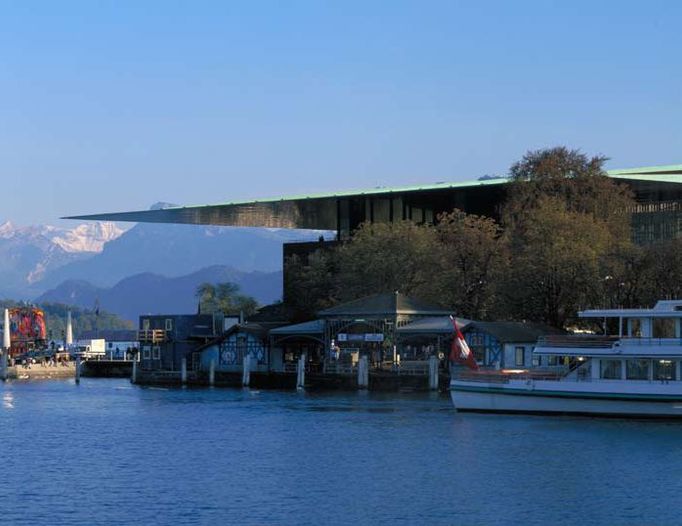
(113, 105)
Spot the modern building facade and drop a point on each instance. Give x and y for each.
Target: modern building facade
(656, 215)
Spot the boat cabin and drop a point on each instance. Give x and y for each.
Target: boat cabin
(636, 344)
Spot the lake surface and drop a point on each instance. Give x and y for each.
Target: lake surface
(106, 452)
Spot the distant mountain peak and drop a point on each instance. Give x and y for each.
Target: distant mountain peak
(88, 237)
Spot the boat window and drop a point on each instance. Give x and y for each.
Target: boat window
(636, 328)
(665, 370)
(519, 353)
(551, 360)
(610, 369)
(637, 369)
(664, 328)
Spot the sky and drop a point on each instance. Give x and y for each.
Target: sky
(115, 105)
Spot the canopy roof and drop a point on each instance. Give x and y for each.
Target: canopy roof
(319, 211)
(390, 304)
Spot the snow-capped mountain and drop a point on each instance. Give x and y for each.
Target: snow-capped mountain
(87, 237)
(35, 259)
(29, 253)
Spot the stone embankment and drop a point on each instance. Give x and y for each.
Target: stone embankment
(40, 372)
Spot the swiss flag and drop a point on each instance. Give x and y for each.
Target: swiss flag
(460, 352)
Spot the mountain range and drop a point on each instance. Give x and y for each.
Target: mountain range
(145, 269)
(149, 293)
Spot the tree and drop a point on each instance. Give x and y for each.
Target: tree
(473, 256)
(224, 297)
(555, 268)
(568, 231)
(576, 180)
(310, 286)
(385, 257)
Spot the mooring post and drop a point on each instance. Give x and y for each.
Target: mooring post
(133, 376)
(433, 373)
(363, 373)
(211, 372)
(183, 371)
(78, 370)
(3, 365)
(300, 372)
(246, 376)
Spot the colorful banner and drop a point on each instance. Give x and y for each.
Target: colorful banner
(27, 324)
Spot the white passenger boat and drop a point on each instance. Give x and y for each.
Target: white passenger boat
(635, 372)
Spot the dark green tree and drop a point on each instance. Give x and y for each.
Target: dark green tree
(224, 297)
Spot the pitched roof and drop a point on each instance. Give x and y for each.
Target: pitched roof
(387, 304)
(433, 325)
(260, 330)
(308, 327)
(513, 331)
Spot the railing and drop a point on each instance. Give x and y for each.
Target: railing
(578, 341)
(340, 368)
(498, 377)
(289, 367)
(151, 336)
(651, 341)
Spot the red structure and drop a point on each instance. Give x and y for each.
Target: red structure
(27, 329)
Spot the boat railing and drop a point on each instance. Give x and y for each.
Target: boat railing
(590, 341)
(503, 377)
(649, 342)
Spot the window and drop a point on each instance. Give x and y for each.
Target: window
(146, 353)
(519, 353)
(169, 324)
(551, 360)
(665, 370)
(637, 369)
(664, 328)
(610, 369)
(145, 324)
(156, 352)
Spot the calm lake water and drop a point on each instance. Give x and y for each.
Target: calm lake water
(105, 452)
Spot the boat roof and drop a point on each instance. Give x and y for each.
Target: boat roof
(662, 309)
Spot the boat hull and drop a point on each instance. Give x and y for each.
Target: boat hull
(498, 399)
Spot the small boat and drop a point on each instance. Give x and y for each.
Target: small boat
(634, 372)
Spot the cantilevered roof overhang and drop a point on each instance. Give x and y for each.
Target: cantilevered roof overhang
(320, 212)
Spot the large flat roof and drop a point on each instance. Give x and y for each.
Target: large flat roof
(303, 211)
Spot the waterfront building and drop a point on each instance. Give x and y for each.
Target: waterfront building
(119, 343)
(165, 339)
(227, 351)
(657, 213)
(506, 344)
(425, 336)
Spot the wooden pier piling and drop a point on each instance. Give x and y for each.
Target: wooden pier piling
(300, 372)
(78, 370)
(211, 373)
(3, 365)
(363, 373)
(133, 375)
(246, 373)
(183, 371)
(433, 373)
